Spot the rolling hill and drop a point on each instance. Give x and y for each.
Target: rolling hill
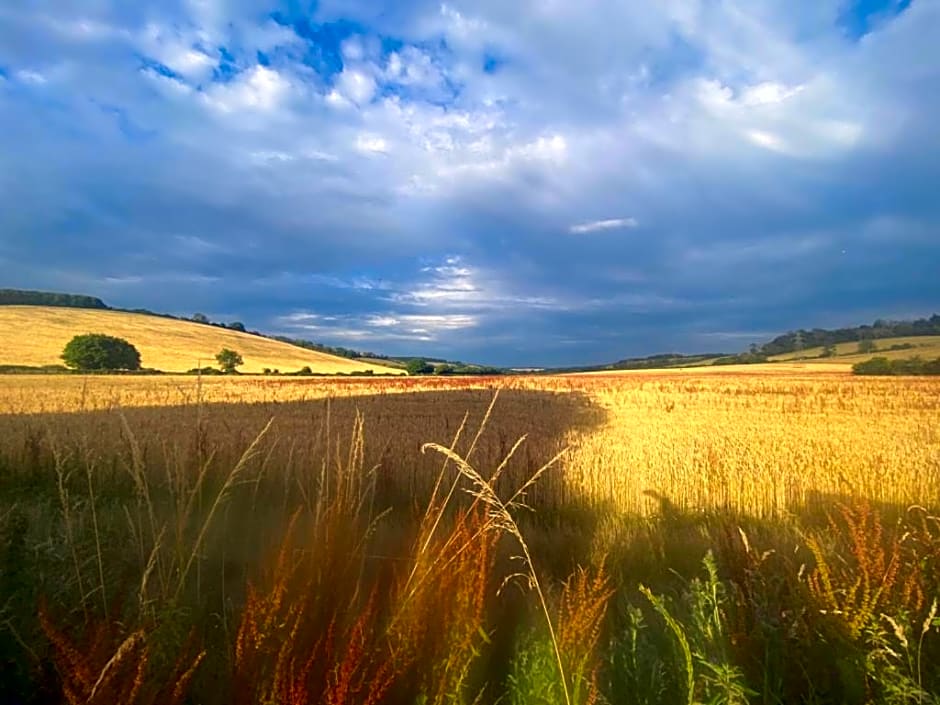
(35, 336)
(925, 346)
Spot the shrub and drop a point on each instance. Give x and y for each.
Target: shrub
(96, 351)
(418, 366)
(228, 360)
(875, 366)
(910, 366)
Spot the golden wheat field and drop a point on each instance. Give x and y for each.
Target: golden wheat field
(587, 539)
(36, 335)
(756, 442)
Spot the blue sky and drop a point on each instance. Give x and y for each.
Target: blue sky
(514, 183)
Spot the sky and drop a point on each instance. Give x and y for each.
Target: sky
(520, 183)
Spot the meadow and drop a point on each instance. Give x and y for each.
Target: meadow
(760, 536)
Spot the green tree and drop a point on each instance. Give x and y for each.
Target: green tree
(200, 318)
(875, 366)
(417, 366)
(867, 345)
(228, 360)
(829, 351)
(96, 351)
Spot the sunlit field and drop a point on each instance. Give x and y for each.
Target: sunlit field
(745, 536)
(36, 335)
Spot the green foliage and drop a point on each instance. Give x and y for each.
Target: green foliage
(748, 358)
(419, 366)
(866, 346)
(200, 318)
(534, 679)
(882, 366)
(711, 676)
(228, 360)
(639, 663)
(96, 351)
(818, 337)
(21, 297)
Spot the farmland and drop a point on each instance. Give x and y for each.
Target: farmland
(926, 346)
(758, 535)
(36, 335)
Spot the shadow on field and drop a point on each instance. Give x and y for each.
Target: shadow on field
(305, 435)
(136, 517)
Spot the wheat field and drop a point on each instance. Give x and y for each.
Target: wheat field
(757, 441)
(743, 537)
(36, 335)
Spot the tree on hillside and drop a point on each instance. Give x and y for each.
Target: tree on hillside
(228, 360)
(417, 366)
(237, 325)
(867, 346)
(96, 351)
(200, 318)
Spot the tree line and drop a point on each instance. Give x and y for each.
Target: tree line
(23, 297)
(797, 340)
(883, 367)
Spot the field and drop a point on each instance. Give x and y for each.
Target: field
(36, 335)
(646, 537)
(802, 367)
(925, 346)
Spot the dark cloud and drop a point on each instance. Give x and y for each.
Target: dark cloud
(519, 183)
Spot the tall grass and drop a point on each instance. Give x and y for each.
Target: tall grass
(312, 553)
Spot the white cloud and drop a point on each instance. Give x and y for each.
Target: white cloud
(768, 140)
(260, 89)
(376, 328)
(355, 86)
(31, 77)
(598, 225)
(768, 93)
(166, 85)
(177, 51)
(679, 114)
(371, 144)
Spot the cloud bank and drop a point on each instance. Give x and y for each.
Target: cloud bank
(512, 183)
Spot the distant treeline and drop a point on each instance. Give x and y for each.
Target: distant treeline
(882, 366)
(794, 341)
(330, 350)
(664, 360)
(651, 362)
(20, 297)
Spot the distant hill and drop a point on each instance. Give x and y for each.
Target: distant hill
(651, 362)
(36, 335)
(801, 340)
(925, 346)
(846, 346)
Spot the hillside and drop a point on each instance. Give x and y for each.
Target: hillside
(35, 336)
(925, 346)
(881, 329)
